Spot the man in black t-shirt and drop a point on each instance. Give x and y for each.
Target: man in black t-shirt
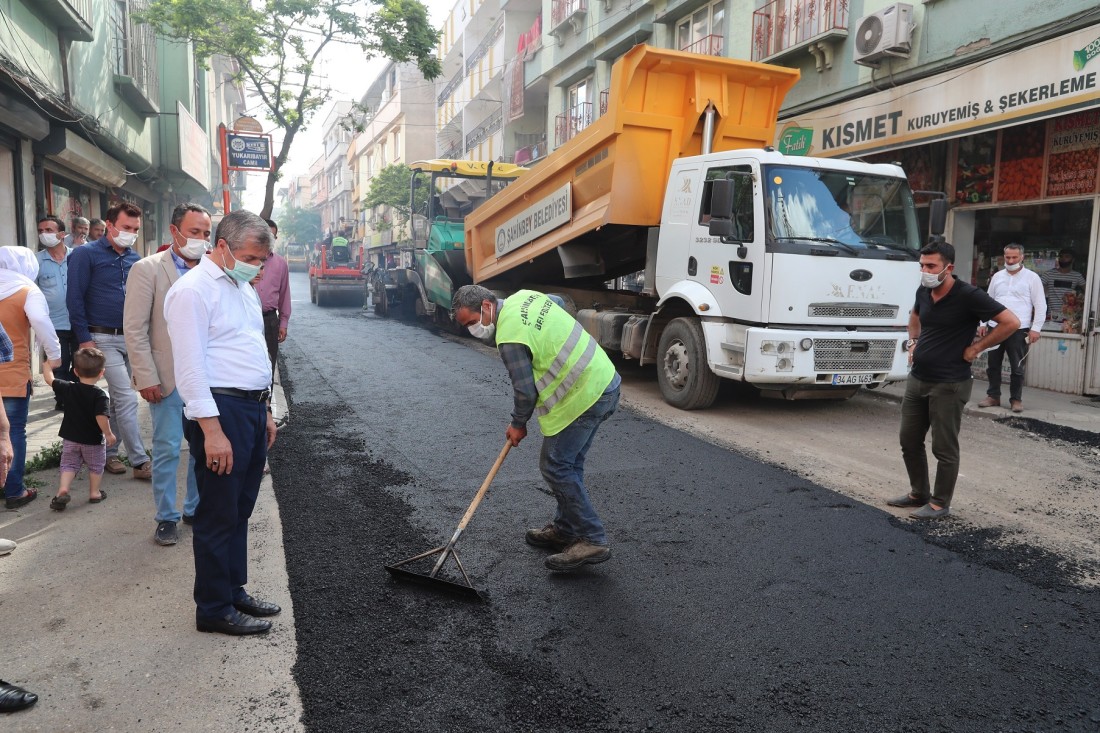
(942, 326)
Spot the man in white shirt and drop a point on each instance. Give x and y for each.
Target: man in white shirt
(224, 377)
(1021, 291)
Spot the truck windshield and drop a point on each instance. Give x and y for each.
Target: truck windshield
(842, 212)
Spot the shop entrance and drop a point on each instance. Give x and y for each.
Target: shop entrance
(1057, 245)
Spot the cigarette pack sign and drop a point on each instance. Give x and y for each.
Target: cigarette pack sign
(248, 152)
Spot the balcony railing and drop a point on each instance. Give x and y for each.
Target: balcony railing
(484, 130)
(566, 126)
(567, 10)
(782, 25)
(531, 146)
(451, 86)
(484, 46)
(605, 95)
(135, 59)
(71, 18)
(711, 45)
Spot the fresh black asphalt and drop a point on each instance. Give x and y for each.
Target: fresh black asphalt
(739, 597)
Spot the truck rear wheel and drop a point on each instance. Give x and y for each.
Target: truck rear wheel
(686, 380)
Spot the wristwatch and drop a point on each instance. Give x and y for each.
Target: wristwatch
(910, 344)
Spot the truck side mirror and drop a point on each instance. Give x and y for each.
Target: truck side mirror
(937, 217)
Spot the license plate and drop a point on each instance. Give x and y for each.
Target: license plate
(853, 378)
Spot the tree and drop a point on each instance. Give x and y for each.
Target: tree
(390, 187)
(277, 43)
(302, 226)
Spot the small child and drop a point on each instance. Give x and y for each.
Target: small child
(84, 426)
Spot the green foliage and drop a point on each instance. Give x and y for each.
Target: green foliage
(302, 226)
(277, 43)
(48, 457)
(390, 187)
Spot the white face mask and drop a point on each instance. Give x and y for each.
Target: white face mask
(1014, 268)
(48, 239)
(125, 239)
(194, 248)
(479, 331)
(933, 279)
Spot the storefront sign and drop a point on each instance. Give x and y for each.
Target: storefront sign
(546, 215)
(1033, 82)
(1074, 149)
(194, 147)
(248, 152)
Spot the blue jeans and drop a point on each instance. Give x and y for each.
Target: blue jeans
(124, 399)
(17, 409)
(167, 438)
(562, 465)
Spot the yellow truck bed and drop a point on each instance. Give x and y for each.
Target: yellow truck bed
(610, 179)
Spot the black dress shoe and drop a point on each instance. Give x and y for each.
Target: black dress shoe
(233, 623)
(14, 698)
(255, 607)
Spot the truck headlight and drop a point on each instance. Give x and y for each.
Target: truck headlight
(784, 365)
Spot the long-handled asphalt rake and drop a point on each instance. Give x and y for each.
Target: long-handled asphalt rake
(432, 579)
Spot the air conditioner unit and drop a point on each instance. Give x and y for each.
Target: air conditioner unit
(887, 32)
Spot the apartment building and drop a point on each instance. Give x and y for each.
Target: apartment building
(395, 126)
(95, 109)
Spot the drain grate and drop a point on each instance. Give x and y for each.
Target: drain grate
(1088, 403)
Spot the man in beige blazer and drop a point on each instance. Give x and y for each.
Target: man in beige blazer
(150, 351)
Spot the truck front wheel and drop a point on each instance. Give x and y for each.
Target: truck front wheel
(686, 380)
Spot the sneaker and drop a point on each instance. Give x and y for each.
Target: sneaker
(6, 546)
(907, 500)
(188, 519)
(548, 536)
(581, 552)
(990, 402)
(144, 471)
(1017, 405)
(166, 534)
(115, 465)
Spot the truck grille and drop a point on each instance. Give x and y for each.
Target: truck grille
(853, 310)
(843, 355)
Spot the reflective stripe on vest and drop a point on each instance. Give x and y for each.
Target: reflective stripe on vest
(574, 373)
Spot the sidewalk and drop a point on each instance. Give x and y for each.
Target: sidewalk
(101, 620)
(1055, 408)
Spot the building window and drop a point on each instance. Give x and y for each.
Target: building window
(704, 30)
(578, 112)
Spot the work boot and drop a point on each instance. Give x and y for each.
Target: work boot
(581, 552)
(115, 465)
(990, 401)
(548, 536)
(1017, 405)
(144, 471)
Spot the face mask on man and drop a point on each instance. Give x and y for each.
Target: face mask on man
(48, 239)
(125, 239)
(1014, 268)
(933, 279)
(242, 271)
(194, 248)
(480, 331)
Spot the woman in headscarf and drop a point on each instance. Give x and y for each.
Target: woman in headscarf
(22, 306)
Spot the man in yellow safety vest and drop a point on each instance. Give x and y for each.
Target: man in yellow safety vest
(560, 374)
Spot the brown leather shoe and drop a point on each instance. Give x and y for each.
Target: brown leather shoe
(115, 465)
(990, 402)
(581, 552)
(1017, 405)
(144, 471)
